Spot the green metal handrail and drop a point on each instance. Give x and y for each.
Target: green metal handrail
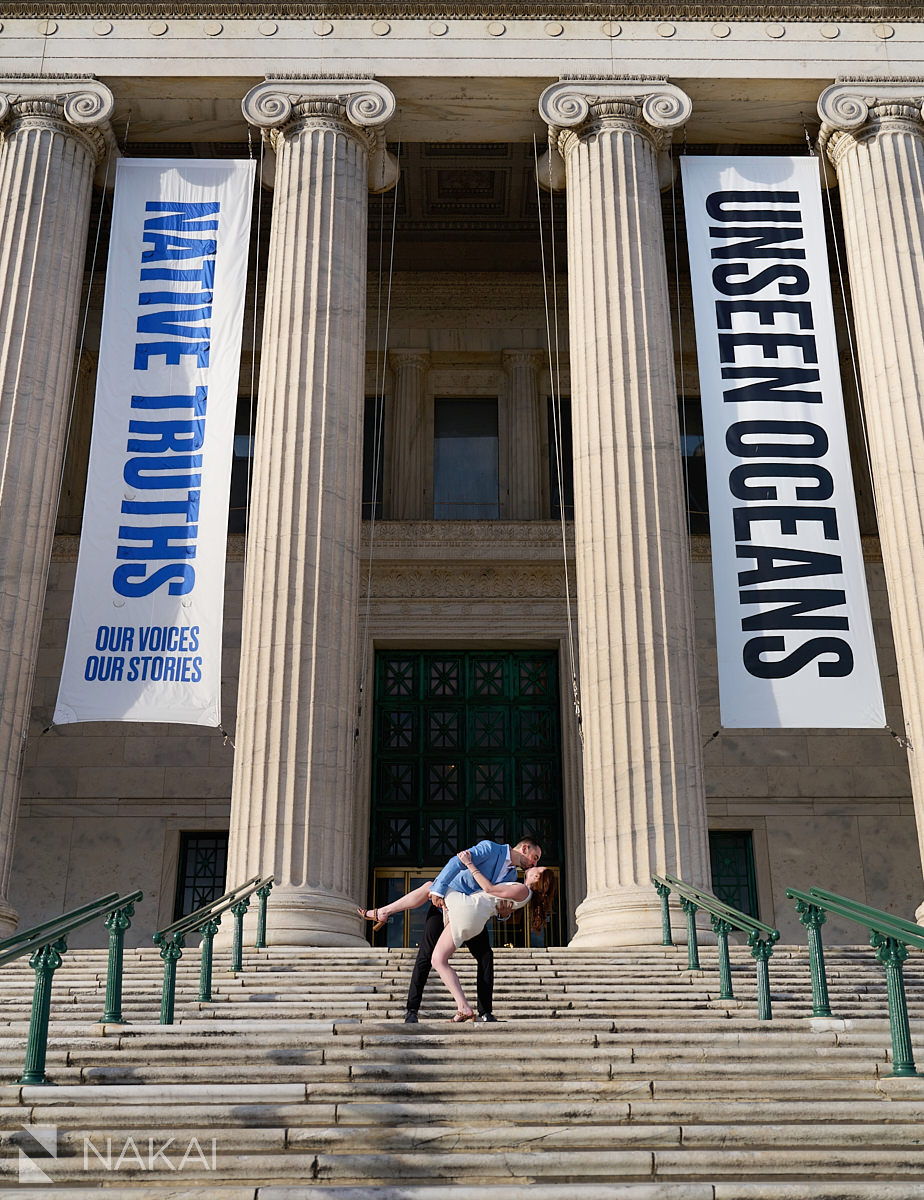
(889, 936)
(724, 918)
(46, 943)
(26, 938)
(205, 921)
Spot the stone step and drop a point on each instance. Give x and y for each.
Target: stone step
(670, 1086)
(732, 1023)
(480, 1054)
(445, 1074)
(878, 1189)
(778, 1190)
(634, 1075)
(429, 1165)
(483, 1043)
(426, 1039)
(522, 964)
(784, 1113)
(345, 960)
(207, 1092)
(485, 1137)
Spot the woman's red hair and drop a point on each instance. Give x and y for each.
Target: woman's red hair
(542, 899)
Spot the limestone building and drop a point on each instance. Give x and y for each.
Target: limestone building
(474, 595)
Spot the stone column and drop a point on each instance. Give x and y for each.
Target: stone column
(644, 801)
(406, 436)
(53, 133)
(873, 133)
(522, 367)
(292, 797)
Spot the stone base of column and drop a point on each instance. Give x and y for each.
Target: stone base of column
(9, 919)
(299, 917)
(630, 916)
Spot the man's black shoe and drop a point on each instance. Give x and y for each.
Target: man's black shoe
(410, 1017)
(486, 1017)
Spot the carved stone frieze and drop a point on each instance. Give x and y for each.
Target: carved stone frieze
(67, 545)
(420, 288)
(482, 541)
(469, 581)
(572, 10)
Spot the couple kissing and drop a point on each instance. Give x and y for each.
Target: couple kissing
(474, 885)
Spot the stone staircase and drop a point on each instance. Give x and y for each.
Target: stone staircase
(610, 1076)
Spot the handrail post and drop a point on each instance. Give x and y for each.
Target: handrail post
(812, 916)
(722, 930)
(892, 953)
(263, 894)
(237, 942)
(664, 892)
(691, 910)
(116, 922)
(761, 951)
(208, 931)
(170, 952)
(45, 961)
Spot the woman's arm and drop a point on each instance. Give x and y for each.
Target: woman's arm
(504, 891)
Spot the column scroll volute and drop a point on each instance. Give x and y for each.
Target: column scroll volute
(570, 108)
(83, 104)
(363, 105)
(569, 104)
(854, 110)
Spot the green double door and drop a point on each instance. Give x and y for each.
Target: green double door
(467, 747)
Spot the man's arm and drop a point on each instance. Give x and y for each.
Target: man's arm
(503, 891)
(454, 867)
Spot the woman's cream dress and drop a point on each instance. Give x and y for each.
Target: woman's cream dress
(468, 915)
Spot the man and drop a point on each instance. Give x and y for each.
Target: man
(498, 863)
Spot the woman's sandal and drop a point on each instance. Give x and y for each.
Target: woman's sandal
(377, 923)
(460, 1017)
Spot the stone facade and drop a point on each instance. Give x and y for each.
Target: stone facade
(468, 315)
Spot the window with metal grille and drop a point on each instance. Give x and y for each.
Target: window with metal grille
(693, 449)
(202, 871)
(733, 877)
(241, 464)
(465, 460)
(373, 446)
(561, 491)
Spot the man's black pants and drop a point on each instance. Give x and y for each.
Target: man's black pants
(480, 947)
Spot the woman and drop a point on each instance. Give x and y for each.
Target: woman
(465, 915)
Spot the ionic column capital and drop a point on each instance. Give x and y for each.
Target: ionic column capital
(81, 105)
(400, 358)
(856, 110)
(365, 103)
(524, 358)
(653, 107)
(362, 107)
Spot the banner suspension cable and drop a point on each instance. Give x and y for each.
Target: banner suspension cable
(555, 381)
(381, 367)
(79, 361)
(848, 319)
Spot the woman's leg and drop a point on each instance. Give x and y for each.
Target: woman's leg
(414, 899)
(442, 952)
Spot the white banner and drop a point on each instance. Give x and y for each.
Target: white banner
(793, 630)
(144, 642)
